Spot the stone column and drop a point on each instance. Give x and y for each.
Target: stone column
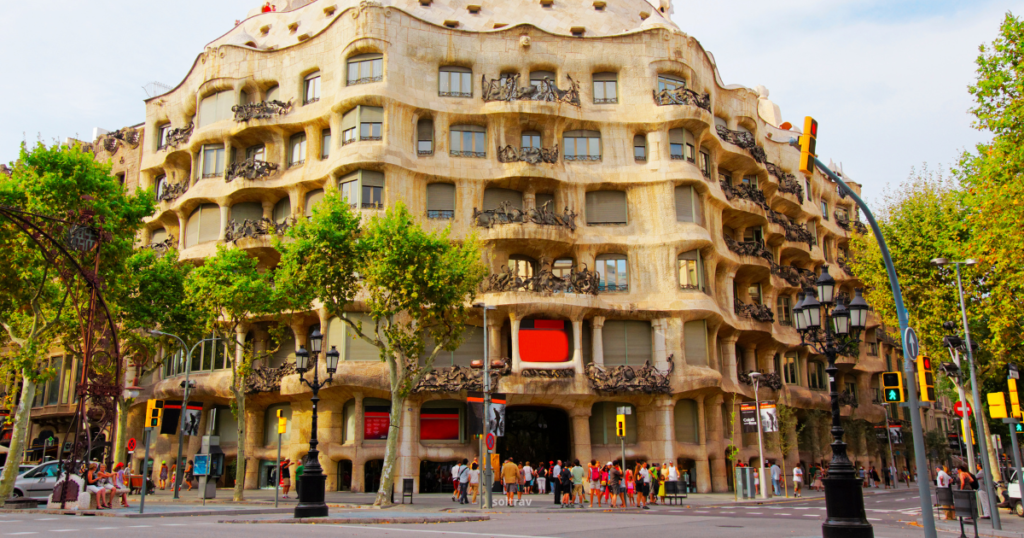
(408, 440)
(581, 433)
(182, 228)
(516, 361)
(729, 361)
(750, 358)
(359, 462)
(703, 465)
(661, 426)
(225, 214)
(716, 436)
(494, 337)
(577, 344)
(714, 360)
(660, 358)
(597, 340)
(268, 210)
(804, 374)
(253, 439)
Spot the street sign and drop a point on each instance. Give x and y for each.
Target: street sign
(624, 410)
(490, 440)
(1012, 370)
(131, 445)
(959, 407)
(912, 342)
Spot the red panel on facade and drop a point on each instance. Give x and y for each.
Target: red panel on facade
(544, 346)
(439, 425)
(375, 425)
(549, 324)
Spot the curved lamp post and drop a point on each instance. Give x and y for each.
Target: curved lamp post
(831, 328)
(311, 488)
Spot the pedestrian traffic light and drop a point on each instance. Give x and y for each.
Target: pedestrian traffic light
(1014, 407)
(154, 413)
(892, 387)
(925, 379)
(1020, 428)
(620, 425)
(808, 142)
(997, 405)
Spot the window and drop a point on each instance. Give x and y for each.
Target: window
(686, 422)
(494, 198)
(750, 181)
(297, 149)
(791, 368)
(681, 145)
(688, 205)
(455, 82)
(602, 423)
(442, 420)
(606, 207)
(468, 141)
(824, 209)
(159, 235)
(695, 342)
(873, 349)
(542, 198)
(606, 88)
(807, 183)
(531, 140)
(312, 198)
(705, 163)
(888, 363)
(363, 189)
(257, 153)
(371, 120)
(213, 160)
(311, 88)
(562, 267)
(365, 68)
(582, 145)
(670, 83)
(282, 210)
(753, 234)
(160, 183)
(755, 293)
(522, 266)
(161, 135)
(216, 107)
(67, 380)
(640, 148)
(826, 248)
(816, 375)
(691, 270)
(613, 272)
(440, 201)
(325, 143)
(270, 424)
(243, 211)
(53, 385)
(203, 225)
(537, 79)
(784, 311)
(842, 214)
(425, 137)
(627, 342)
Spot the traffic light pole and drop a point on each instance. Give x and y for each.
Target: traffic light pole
(145, 472)
(892, 455)
(1016, 451)
(963, 398)
(920, 456)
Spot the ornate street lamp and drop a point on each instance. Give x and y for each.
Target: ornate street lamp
(832, 328)
(798, 312)
(312, 487)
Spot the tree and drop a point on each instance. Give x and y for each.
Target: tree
(36, 292)
(416, 286)
(789, 434)
(228, 291)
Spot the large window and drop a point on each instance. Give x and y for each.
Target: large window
(161, 135)
(371, 122)
(670, 82)
(363, 189)
(440, 201)
(824, 209)
(613, 271)
(705, 162)
(606, 207)
(791, 368)
(816, 375)
(687, 422)
(472, 349)
(602, 423)
(213, 160)
(691, 270)
(216, 107)
(425, 137)
(606, 88)
(282, 210)
(494, 198)
(325, 143)
(297, 149)
(695, 340)
(455, 82)
(468, 141)
(365, 68)
(754, 290)
(256, 153)
(441, 420)
(681, 145)
(537, 78)
(530, 140)
(688, 205)
(582, 145)
(312, 198)
(203, 225)
(243, 211)
(640, 148)
(311, 88)
(627, 342)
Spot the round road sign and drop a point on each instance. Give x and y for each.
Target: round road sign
(912, 342)
(958, 408)
(131, 445)
(489, 441)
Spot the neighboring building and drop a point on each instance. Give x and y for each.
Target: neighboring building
(634, 164)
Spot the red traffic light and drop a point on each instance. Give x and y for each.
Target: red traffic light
(926, 363)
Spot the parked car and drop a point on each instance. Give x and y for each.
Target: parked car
(37, 482)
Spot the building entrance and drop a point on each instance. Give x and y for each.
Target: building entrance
(535, 434)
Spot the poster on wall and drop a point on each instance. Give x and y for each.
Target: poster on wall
(172, 417)
(376, 421)
(496, 422)
(769, 417)
(748, 417)
(192, 416)
(439, 424)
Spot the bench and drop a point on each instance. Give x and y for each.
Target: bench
(675, 491)
(78, 498)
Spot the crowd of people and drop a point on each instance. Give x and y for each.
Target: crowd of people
(105, 485)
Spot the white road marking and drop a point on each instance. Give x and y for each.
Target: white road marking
(172, 524)
(802, 508)
(758, 513)
(782, 514)
(377, 529)
(48, 519)
(874, 519)
(138, 526)
(106, 528)
(63, 530)
(809, 515)
(20, 533)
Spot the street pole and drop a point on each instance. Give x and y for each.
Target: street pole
(760, 445)
(982, 442)
(145, 471)
(1016, 453)
(488, 472)
(892, 455)
(963, 398)
(277, 476)
(924, 490)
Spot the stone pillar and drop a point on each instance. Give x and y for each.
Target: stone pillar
(703, 465)
(253, 439)
(494, 337)
(662, 430)
(182, 228)
(729, 361)
(597, 340)
(804, 374)
(714, 360)
(268, 210)
(581, 433)
(719, 467)
(225, 214)
(750, 358)
(658, 329)
(408, 441)
(577, 345)
(359, 462)
(516, 361)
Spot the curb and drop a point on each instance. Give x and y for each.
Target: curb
(136, 515)
(405, 520)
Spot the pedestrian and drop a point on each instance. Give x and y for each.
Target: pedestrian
(644, 486)
(663, 477)
(594, 470)
(121, 479)
(510, 477)
(798, 479)
(174, 474)
(456, 469)
(874, 477)
(528, 477)
(556, 481)
(565, 483)
(300, 470)
(895, 476)
(474, 480)
(286, 476)
(520, 482)
(652, 492)
(818, 472)
(614, 484)
(776, 479)
(577, 483)
(863, 477)
(630, 489)
(542, 479)
(93, 485)
(163, 475)
(979, 486)
(464, 481)
(190, 475)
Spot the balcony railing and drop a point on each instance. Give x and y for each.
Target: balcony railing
(606, 100)
(794, 232)
(441, 214)
(771, 381)
(583, 281)
(366, 80)
(589, 158)
(795, 276)
(744, 140)
(177, 137)
(757, 312)
(749, 248)
(506, 214)
(848, 398)
(842, 219)
(250, 169)
(508, 89)
(682, 96)
(160, 248)
(261, 111)
(474, 154)
(745, 192)
(531, 155)
(455, 94)
(844, 264)
(859, 227)
(171, 192)
(253, 228)
(787, 182)
(645, 379)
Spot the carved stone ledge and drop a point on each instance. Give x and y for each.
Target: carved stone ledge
(495, 90)
(627, 379)
(261, 111)
(455, 379)
(506, 214)
(112, 141)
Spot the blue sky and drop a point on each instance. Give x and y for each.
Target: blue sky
(888, 80)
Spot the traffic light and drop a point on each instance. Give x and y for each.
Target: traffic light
(620, 425)
(997, 405)
(154, 413)
(808, 142)
(282, 423)
(1014, 398)
(925, 379)
(1020, 428)
(892, 387)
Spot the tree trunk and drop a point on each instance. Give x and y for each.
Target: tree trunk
(21, 422)
(387, 474)
(122, 431)
(239, 493)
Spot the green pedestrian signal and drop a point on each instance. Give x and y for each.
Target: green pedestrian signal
(893, 396)
(1020, 428)
(892, 387)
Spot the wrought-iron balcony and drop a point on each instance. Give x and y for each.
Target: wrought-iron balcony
(771, 381)
(859, 227)
(876, 397)
(749, 248)
(261, 111)
(744, 140)
(744, 192)
(842, 220)
(756, 312)
(441, 214)
(848, 398)
(629, 379)
(161, 247)
(454, 94)
(473, 154)
(844, 264)
(506, 214)
(794, 232)
(531, 155)
(177, 137)
(253, 228)
(251, 169)
(788, 183)
(171, 192)
(795, 276)
(582, 281)
(508, 89)
(682, 96)
(366, 80)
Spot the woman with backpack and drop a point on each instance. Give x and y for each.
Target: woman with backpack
(594, 477)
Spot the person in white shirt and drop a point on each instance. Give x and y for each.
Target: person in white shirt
(528, 478)
(673, 473)
(798, 480)
(456, 469)
(942, 478)
(474, 481)
(776, 479)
